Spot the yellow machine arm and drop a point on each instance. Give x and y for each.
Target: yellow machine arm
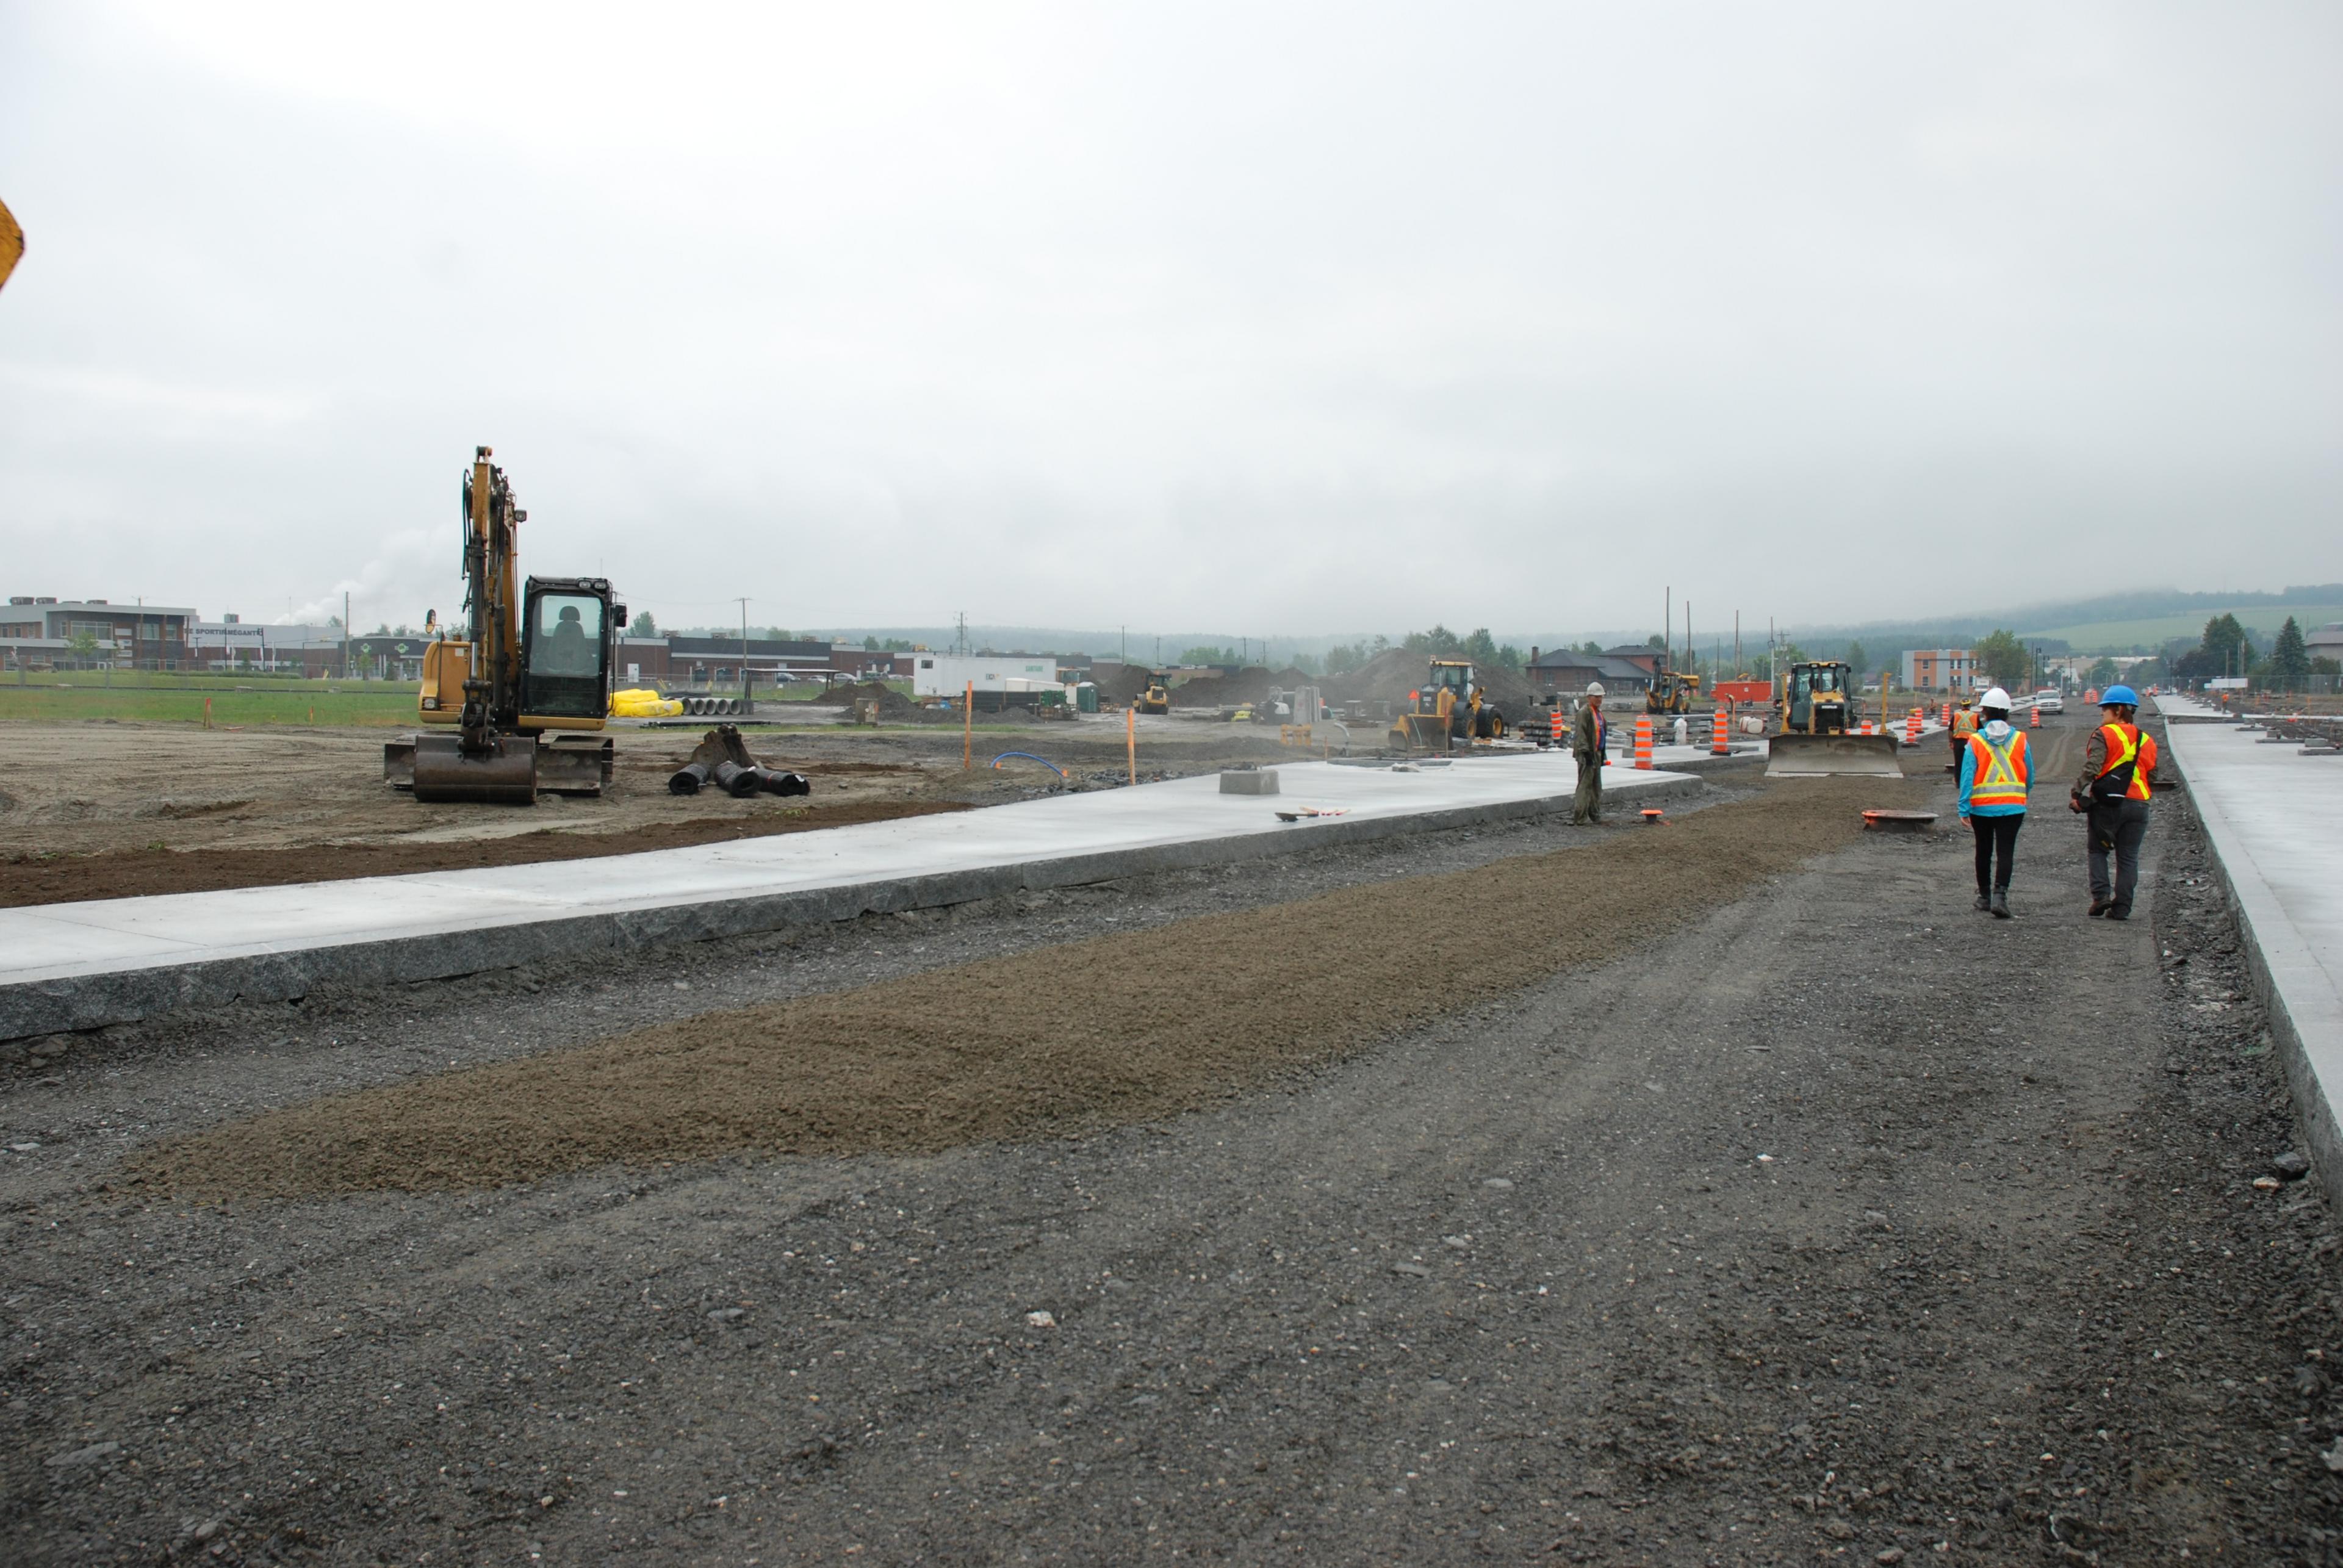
(12, 242)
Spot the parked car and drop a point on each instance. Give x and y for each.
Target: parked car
(2047, 700)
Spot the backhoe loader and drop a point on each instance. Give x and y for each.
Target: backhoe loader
(1815, 709)
(1671, 691)
(1450, 706)
(534, 658)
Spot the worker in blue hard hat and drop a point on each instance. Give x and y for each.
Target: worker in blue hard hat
(2118, 779)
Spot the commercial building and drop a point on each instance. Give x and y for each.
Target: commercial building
(37, 629)
(232, 643)
(1941, 670)
(1565, 671)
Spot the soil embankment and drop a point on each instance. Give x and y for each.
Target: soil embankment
(1008, 1050)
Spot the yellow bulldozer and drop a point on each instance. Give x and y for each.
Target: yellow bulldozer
(1156, 696)
(1450, 706)
(514, 706)
(1814, 710)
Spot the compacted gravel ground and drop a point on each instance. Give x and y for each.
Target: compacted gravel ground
(1842, 1223)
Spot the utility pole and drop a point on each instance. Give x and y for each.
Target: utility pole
(744, 646)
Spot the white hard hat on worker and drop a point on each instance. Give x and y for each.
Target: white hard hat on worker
(1593, 688)
(1995, 700)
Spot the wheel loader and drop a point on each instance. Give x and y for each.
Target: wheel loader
(1671, 691)
(1450, 706)
(1815, 708)
(512, 707)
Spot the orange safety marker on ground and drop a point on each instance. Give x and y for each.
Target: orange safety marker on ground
(1912, 729)
(2034, 717)
(207, 713)
(1948, 720)
(967, 729)
(1557, 724)
(1718, 746)
(1643, 742)
(1131, 739)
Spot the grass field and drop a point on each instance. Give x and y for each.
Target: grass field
(163, 699)
(2261, 623)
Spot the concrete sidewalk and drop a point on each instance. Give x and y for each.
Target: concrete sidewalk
(83, 965)
(2275, 818)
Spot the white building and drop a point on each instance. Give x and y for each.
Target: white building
(950, 674)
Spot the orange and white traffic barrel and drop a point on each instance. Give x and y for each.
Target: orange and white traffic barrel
(1643, 742)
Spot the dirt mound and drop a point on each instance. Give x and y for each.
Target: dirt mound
(1392, 675)
(1006, 1049)
(133, 873)
(893, 706)
(1252, 684)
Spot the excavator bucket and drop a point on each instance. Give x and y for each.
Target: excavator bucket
(503, 775)
(1798, 755)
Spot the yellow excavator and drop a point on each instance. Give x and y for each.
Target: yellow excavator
(1815, 706)
(12, 242)
(1450, 706)
(1157, 697)
(513, 707)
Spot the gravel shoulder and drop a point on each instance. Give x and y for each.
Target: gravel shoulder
(1842, 1221)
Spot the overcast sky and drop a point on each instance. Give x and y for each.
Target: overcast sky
(1265, 319)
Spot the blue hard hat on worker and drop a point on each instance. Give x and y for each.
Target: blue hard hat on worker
(2118, 695)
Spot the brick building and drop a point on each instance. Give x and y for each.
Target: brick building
(1940, 669)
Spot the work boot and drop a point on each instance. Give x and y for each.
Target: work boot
(2099, 907)
(1984, 902)
(2001, 904)
(2118, 911)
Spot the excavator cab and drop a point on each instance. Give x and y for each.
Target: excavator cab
(569, 626)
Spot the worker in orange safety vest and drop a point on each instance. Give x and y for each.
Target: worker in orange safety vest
(1997, 771)
(2118, 779)
(1964, 725)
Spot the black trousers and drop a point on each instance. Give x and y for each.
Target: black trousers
(1996, 837)
(2117, 827)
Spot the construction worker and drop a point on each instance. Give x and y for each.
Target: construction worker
(2119, 777)
(1588, 735)
(1997, 771)
(1964, 725)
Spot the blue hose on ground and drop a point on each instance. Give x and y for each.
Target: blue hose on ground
(1030, 758)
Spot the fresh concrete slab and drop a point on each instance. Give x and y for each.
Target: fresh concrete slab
(80, 966)
(2275, 818)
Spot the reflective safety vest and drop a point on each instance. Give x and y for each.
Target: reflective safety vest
(2130, 758)
(1998, 774)
(1964, 722)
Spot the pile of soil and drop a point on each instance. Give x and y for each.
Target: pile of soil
(1252, 684)
(894, 708)
(131, 873)
(1006, 1049)
(1392, 675)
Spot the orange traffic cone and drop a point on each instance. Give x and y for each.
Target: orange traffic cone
(2034, 717)
(1558, 722)
(1912, 729)
(1717, 745)
(1643, 742)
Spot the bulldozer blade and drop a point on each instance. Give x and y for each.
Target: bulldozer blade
(503, 775)
(1813, 756)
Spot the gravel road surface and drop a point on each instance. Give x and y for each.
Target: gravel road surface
(1840, 1222)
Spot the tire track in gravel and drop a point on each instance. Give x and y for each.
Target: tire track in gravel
(1114, 1029)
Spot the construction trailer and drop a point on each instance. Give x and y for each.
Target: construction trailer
(993, 674)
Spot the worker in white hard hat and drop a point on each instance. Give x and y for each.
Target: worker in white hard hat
(1997, 771)
(1587, 738)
